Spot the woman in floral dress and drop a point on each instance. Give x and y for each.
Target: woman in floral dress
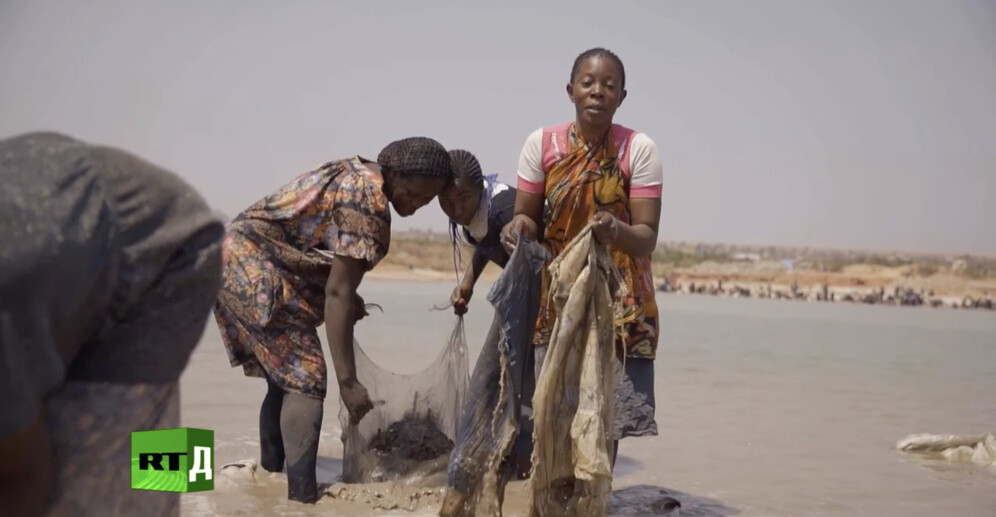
(293, 261)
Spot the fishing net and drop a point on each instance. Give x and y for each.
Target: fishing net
(409, 433)
(490, 420)
(572, 405)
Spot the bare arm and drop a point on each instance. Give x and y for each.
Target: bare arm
(465, 290)
(340, 298)
(340, 291)
(477, 265)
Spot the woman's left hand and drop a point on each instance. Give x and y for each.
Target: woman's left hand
(605, 227)
(359, 308)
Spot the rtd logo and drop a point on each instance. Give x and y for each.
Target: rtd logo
(173, 460)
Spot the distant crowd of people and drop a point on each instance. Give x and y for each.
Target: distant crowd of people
(898, 295)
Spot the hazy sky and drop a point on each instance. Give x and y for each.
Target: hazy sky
(858, 123)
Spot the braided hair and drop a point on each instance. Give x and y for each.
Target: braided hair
(600, 52)
(416, 155)
(466, 169)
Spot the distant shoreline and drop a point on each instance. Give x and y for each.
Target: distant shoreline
(954, 281)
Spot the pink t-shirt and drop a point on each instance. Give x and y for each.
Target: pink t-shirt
(643, 165)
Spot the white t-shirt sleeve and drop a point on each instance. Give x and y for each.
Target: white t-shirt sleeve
(647, 170)
(531, 176)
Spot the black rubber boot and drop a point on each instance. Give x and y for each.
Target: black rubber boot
(300, 423)
(271, 442)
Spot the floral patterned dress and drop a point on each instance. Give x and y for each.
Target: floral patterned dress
(277, 256)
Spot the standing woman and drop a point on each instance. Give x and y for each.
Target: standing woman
(293, 261)
(591, 170)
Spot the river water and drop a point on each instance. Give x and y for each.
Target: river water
(765, 407)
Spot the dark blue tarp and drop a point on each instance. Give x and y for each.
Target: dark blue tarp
(489, 424)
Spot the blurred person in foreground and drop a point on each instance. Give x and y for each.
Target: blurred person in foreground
(108, 270)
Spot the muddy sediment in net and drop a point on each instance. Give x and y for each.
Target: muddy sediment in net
(413, 438)
(410, 450)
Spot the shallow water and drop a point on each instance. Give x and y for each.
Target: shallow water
(765, 407)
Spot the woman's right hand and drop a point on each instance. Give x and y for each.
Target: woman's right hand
(520, 224)
(357, 400)
(461, 298)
